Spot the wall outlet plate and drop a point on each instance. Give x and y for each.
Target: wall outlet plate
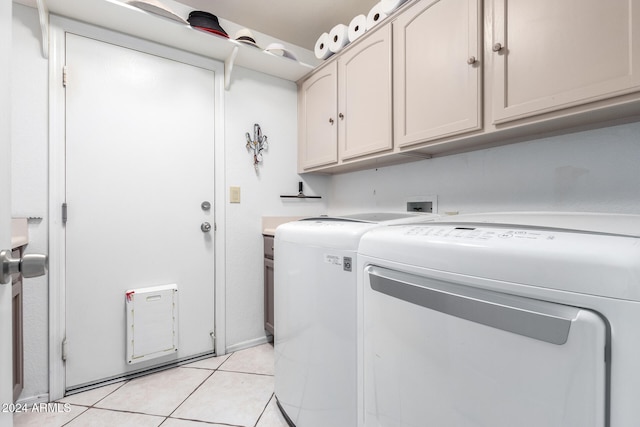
(424, 204)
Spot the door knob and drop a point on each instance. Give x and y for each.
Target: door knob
(205, 227)
(31, 265)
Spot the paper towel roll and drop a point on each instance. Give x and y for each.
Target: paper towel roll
(338, 38)
(322, 47)
(357, 27)
(389, 6)
(375, 15)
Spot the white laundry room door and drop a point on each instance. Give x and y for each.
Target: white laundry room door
(139, 196)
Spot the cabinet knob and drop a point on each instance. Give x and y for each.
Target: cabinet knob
(330, 120)
(497, 47)
(341, 116)
(472, 60)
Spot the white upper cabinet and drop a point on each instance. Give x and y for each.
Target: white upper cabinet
(345, 107)
(446, 76)
(437, 63)
(317, 119)
(549, 54)
(364, 97)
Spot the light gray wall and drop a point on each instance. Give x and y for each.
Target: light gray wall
(252, 98)
(586, 171)
(270, 102)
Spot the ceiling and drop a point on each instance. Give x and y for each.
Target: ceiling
(299, 22)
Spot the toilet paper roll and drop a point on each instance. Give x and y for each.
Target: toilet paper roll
(357, 27)
(375, 15)
(322, 47)
(338, 38)
(390, 6)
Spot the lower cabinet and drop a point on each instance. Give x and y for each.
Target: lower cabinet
(17, 330)
(268, 284)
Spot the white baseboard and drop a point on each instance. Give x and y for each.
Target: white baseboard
(33, 400)
(247, 344)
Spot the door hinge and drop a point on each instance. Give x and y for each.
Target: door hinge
(64, 213)
(64, 350)
(64, 76)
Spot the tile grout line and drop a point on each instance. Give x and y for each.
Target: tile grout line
(92, 406)
(248, 373)
(191, 394)
(167, 417)
(264, 409)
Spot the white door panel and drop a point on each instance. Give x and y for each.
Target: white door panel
(139, 163)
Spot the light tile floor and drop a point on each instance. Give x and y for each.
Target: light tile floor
(230, 390)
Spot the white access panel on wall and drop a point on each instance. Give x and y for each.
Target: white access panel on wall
(152, 322)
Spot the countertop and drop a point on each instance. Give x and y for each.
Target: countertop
(19, 232)
(270, 223)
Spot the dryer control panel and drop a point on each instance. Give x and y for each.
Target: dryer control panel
(478, 233)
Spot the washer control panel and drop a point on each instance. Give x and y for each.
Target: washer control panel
(478, 233)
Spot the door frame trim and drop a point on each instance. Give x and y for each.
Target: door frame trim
(59, 26)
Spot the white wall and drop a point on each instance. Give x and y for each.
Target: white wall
(29, 184)
(270, 102)
(586, 171)
(253, 98)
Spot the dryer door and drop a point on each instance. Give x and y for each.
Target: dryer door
(443, 354)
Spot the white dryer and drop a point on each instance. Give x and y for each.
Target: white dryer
(315, 316)
(501, 320)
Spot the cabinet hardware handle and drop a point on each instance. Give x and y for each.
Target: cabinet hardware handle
(497, 47)
(341, 116)
(330, 120)
(472, 60)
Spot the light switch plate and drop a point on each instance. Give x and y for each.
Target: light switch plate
(234, 194)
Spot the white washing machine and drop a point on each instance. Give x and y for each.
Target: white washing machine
(501, 320)
(315, 316)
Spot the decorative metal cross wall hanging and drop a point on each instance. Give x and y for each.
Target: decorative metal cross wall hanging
(258, 144)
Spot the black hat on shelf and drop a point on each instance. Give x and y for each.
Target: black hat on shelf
(207, 22)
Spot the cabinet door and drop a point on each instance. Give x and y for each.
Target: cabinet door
(17, 327)
(318, 145)
(268, 296)
(551, 54)
(364, 96)
(437, 70)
